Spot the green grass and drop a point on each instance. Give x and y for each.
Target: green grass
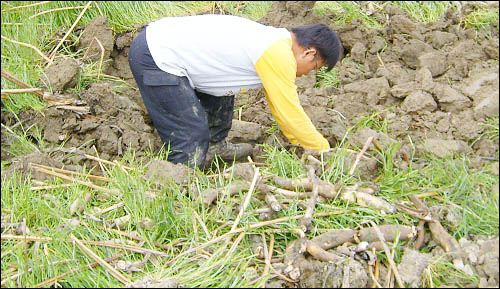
(346, 12)
(172, 213)
(440, 272)
(480, 18)
(424, 11)
(464, 190)
(373, 121)
(327, 79)
(491, 128)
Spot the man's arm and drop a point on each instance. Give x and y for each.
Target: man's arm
(277, 68)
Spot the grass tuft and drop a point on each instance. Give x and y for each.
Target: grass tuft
(440, 272)
(424, 11)
(480, 18)
(346, 11)
(327, 79)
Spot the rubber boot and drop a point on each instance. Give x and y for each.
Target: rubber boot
(228, 151)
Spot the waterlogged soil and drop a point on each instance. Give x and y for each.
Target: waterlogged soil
(433, 84)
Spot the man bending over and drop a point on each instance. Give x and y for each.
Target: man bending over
(188, 70)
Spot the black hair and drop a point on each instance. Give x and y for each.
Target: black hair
(321, 37)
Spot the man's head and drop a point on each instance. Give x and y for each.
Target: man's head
(315, 46)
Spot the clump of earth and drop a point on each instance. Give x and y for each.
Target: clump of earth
(434, 85)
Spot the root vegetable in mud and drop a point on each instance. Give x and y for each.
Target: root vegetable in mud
(188, 70)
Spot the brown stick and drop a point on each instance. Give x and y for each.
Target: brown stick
(325, 189)
(267, 258)
(51, 281)
(107, 162)
(80, 109)
(103, 263)
(377, 267)
(358, 157)
(19, 90)
(236, 186)
(293, 184)
(137, 238)
(388, 253)
(372, 276)
(438, 232)
(28, 238)
(380, 59)
(272, 202)
(333, 238)
(93, 146)
(202, 224)
(64, 177)
(377, 145)
(88, 49)
(392, 252)
(271, 260)
(53, 54)
(264, 210)
(420, 235)
(26, 6)
(427, 194)
(55, 9)
(388, 276)
(366, 199)
(49, 187)
(109, 209)
(102, 57)
(19, 82)
(27, 45)
(317, 252)
(389, 232)
(423, 215)
(289, 194)
(66, 172)
(247, 199)
(235, 244)
(306, 222)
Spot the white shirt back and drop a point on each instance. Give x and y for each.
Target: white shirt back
(217, 53)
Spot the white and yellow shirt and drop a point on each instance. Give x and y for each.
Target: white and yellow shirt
(225, 55)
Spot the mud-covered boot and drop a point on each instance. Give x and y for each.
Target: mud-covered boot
(228, 151)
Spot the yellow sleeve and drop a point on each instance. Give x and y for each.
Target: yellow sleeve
(277, 69)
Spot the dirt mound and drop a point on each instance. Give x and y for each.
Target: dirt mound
(290, 14)
(22, 166)
(442, 82)
(112, 123)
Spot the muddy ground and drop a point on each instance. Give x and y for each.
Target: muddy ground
(441, 83)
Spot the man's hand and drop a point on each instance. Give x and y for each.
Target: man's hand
(315, 153)
(314, 158)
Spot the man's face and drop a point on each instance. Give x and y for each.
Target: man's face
(307, 61)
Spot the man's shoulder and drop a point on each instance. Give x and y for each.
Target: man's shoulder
(281, 49)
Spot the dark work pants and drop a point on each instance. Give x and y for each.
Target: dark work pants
(185, 119)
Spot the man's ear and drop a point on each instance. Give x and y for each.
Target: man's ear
(310, 51)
